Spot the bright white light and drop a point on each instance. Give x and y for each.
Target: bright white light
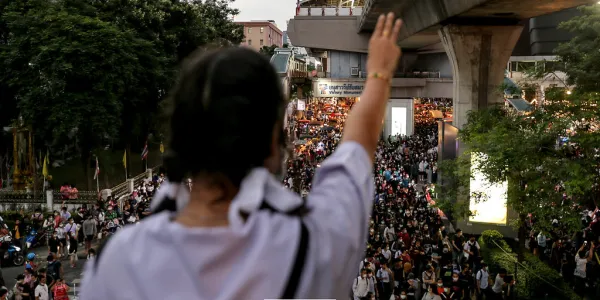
(568, 92)
(487, 200)
(398, 121)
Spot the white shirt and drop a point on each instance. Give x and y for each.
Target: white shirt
(498, 283)
(383, 275)
(237, 261)
(360, 287)
(483, 277)
(580, 266)
(41, 291)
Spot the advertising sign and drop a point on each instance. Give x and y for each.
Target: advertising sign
(398, 121)
(338, 89)
(301, 104)
(488, 200)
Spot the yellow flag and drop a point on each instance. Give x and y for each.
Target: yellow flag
(45, 167)
(162, 148)
(125, 159)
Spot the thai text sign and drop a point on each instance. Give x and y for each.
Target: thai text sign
(338, 89)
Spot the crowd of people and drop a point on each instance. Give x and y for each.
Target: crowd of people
(575, 255)
(69, 233)
(410, 252)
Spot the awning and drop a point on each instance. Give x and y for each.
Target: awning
(520, 104)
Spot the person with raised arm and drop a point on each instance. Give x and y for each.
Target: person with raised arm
(239, 234)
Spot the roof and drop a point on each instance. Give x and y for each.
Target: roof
(280, 62)
(519, 104)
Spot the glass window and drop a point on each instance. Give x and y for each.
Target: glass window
(262, 29)
(250, 42)
(261, 42)
(249, 29)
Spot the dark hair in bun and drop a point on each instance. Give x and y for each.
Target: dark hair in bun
(223, 112)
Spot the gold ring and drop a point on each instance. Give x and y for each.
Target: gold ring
(386, 33)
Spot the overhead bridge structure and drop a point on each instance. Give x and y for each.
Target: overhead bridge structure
(477, 35)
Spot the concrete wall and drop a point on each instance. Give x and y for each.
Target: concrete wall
(269, 36)
(437, 62)
(340, 63)
(544, 36)
(329, 33)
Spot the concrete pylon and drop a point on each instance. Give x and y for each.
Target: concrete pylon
(478, 55)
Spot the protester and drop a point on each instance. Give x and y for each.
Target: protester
(257, 229)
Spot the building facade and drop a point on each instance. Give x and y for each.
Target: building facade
(261, 33)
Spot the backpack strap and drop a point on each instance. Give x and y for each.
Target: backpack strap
(293, 283)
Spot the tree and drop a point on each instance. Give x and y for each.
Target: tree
(268, 50)
(175, 28)
(97, 70)
(546, 178)
(71, 71)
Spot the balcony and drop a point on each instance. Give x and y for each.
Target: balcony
(328, 11)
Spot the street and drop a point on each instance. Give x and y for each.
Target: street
(72, 276)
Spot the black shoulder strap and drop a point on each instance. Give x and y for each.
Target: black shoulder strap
(298, 267)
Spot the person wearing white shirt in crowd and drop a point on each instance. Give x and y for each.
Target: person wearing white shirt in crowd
(41, 290)
(239, 215)
(581, 260)
(372, 282)
(389, 233)
(383, 276)
(387, 253)
(541, 240)
(482, 276)
(360, 287)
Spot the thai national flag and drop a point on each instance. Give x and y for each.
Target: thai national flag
(145, 152)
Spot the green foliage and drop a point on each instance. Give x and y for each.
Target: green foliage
(268, 50)
(535, 279)
(580, 54)
(523, 150)
(493, 237)
(95, 71)
(452, 198)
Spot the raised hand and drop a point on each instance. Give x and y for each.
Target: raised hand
(384, 51)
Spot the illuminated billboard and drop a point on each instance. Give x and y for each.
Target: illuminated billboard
(399, 121)
(487, 200)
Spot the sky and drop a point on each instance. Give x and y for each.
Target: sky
(279, 10)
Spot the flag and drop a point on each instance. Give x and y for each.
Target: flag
(145, 151)
(97, 169)
(125, 159)
(45, 167)
(162, 148)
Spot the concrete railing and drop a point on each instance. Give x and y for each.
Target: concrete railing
(328, 11)
(51, 200)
